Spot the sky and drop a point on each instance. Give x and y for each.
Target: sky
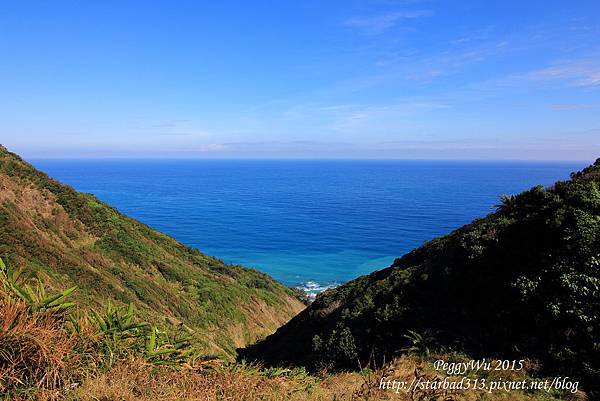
(301, 79)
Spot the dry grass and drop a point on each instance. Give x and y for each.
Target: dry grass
(43, 357)
(135, 380)
(35, 350)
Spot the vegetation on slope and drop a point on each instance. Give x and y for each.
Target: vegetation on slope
(50, 350)
(95, 348)
(523, 282)
(67, 238)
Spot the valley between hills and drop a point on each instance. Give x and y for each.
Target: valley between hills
(98, 306)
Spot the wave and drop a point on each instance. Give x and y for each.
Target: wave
(312, 288)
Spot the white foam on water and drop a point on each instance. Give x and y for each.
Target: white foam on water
(312, 288)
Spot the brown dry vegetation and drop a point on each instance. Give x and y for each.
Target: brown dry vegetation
(44, 358)
(35, 350)
(135, 380)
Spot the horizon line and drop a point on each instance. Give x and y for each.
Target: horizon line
(316, 159)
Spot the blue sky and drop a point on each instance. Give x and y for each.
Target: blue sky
(301, 79)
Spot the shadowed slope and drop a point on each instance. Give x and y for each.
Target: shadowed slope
(522, 282)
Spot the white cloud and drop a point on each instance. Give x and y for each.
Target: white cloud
(381, 23)
(212, 147)
(570, 106)
(584, 72)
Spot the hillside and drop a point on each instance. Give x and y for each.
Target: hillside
(522, 282)
(69, 238)
(50, 350)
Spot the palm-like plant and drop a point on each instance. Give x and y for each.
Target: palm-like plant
(161, 349)
(421, 343)
(115, 330)
(117, 321)
(34, 296)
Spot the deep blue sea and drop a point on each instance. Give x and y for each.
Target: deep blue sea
(306, 223)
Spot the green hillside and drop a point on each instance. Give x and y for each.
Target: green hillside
(523, 282)
(69, 238)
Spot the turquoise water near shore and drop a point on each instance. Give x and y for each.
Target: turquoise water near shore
(311, 224)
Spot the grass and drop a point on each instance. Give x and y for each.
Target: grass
(51, 350)
(35, 351)
(68, 238)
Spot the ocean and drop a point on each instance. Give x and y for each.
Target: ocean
(310, 224)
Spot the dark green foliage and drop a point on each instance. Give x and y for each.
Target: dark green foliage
(339, 347)
(521, 282)
(422, 343)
